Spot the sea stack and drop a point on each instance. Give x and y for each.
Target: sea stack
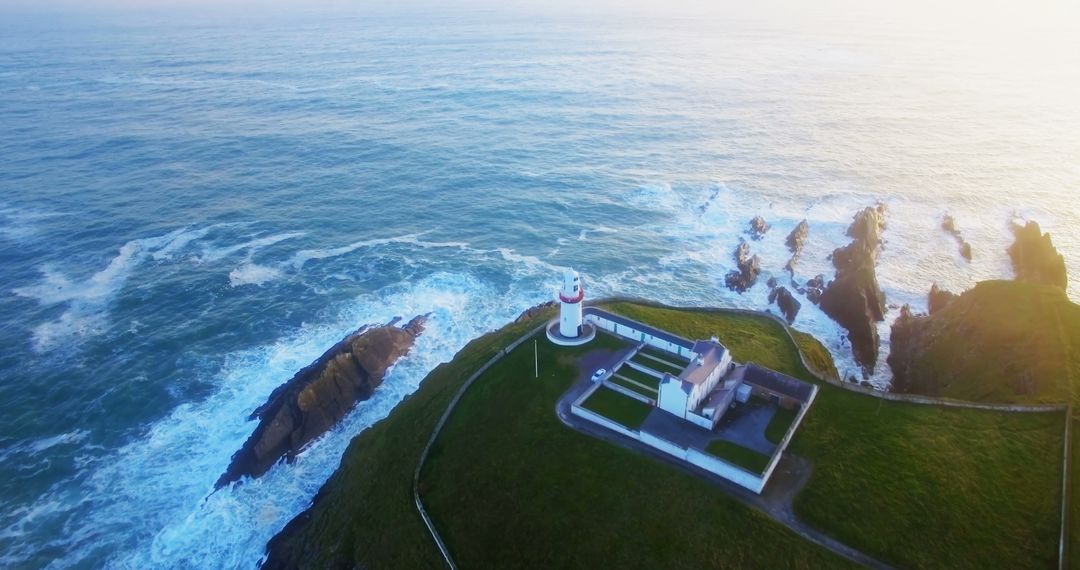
(796, 241)
(786, 302)
(320, 395)
(949, 225)
(747, 269)
(1035, 259)
(758, 228)
(854, 299)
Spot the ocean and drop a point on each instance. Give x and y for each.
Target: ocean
(193, 208)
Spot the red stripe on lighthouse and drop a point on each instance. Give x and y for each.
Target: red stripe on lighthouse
(571, 300)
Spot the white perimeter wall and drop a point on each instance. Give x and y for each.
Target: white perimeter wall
(710, 463)
(635, 335)
(700, 420)
(736, 475)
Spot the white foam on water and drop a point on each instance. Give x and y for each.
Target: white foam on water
(251, 246)
(183, 239)
(21, 225)
(252, 274)
(303, 256)
(705, 224)
(86, 299)
(531, 261)
(162, 483)
(584, 234)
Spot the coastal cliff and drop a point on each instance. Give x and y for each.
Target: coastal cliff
(320, 395)
(854, 299)
(363, 516)
(1034, 258)
(1000, 342)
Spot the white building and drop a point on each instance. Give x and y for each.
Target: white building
(571, 329)
(570, 298)
(682, 395)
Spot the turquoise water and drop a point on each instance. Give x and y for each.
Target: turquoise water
(192, 209)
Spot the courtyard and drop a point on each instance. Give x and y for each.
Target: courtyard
(618, 390)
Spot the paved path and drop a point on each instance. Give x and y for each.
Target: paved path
(787, 480)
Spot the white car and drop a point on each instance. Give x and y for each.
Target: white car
(596, 376)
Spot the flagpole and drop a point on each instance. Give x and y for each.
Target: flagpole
(536, 358)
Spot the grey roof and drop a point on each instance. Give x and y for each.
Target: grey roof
(720, 398)
(652, 331)
(777, 382)
(709, 355)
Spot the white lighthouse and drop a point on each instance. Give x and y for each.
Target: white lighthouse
(571, 297)
(571, 328)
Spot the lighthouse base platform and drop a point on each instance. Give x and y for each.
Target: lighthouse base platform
(588, 332)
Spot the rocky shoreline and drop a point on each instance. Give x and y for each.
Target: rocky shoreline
(319, 395)
(930, 354)
(855, 299)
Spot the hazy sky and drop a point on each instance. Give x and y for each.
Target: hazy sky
(974, 11)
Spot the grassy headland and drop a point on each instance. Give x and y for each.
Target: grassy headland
(364, 515)
(1002, 341)
(508, 485)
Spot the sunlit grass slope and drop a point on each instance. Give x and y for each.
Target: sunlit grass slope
(917, 486)
(510, 486)
(1002, 341)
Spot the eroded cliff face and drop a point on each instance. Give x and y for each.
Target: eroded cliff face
(320, 395)
(854, 299)
(1034, 258)
(1001, 341)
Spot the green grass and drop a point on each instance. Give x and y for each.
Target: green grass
(917, 486)
(510, 486)
(930, 487)
(617, 407)
(1074, 497)
(665, 355)
(817, 356)
(364, 515)
(638, 376)
(738, 455)
(749, 338)
(779, 424)
(634, 387)
(657, 366)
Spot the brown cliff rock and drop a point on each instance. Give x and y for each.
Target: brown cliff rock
(318, 396)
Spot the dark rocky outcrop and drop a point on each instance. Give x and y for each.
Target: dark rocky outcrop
(796, 241)
(814, 288)
(1034, 258)
(789, 306)
(320, 395)
(747, 269)
(908, 341)
(854, 299)
(758, 228)
(1002, 341)
(939, 298)
(949, 225)
(534, 311)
